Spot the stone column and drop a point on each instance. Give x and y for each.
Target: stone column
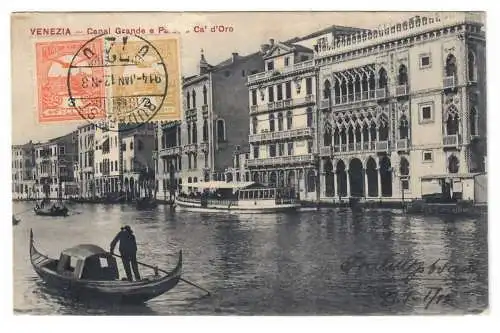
(335, 185)
(365, 183)
(348, 183)
(379, 180)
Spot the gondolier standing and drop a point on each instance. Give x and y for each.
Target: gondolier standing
(128, 251)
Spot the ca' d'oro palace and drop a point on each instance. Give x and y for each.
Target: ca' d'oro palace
(380, 115)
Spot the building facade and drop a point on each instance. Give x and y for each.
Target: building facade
(85, 165)
(201, 146)
(403, 110)
(54, 161)
(23, 171)
(238, 171)
(283, 114)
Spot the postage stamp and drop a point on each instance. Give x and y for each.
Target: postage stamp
(53, 58)
(108, 80)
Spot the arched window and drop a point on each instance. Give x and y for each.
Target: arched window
(327, 136)
(403, 128)
(188, 100)
(453, 164)
(337, 91)
(289, 120)
(404, 167)
(205, 99)
(452, 123)
(280, 121)
(327, 89)
(473, 121)
(371, 81)
(309, 117)
(195, 133)
(403, 75)
(336, 137)
(271, 122)
(194, 99)
(451, 65)
(254, 125)
(221, 130)
(382, 78)
(205, 130)
(189, 133)
(472, 67)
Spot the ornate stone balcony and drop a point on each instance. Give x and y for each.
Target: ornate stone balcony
(402, 90)
(402, 144)
(204, 109)
(203, 146)
(451, 140)
(305, 65)
(88, 169)
(449, 82)
(282, 135)
(190, 148)
(349, 148)
(325, 151)
(171, 151)
(381, 93)
(283, 104)
(190, 112)
(281, 160)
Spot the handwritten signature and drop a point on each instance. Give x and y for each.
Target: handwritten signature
(406, 268)
(430, 296)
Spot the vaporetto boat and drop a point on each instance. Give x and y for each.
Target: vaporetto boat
(241, 197)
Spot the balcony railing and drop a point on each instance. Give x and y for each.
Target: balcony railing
(402, 144)
(203, 146)
(204, 108)
(271, 136)
(449, 82)
(382, 145)
(324, 104)
(380, 93)
(191, 112)
(292, 68)
(356, 146)
(451, 140)
(171, 151)
(190, 148)
(281, 160)
(286, 103)
(402, 90)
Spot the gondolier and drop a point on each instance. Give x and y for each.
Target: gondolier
(128, 251)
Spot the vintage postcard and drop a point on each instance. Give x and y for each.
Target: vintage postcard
(241, 163)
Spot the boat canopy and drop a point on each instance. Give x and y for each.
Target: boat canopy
(222, 185)
(88, 261)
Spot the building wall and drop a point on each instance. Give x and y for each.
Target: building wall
(230, 104)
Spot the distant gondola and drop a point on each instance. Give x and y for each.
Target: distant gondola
(88, 271)
(52, 211)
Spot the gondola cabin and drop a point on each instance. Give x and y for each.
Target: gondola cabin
(88, 262)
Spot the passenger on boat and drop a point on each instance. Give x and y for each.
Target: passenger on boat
(128, 251)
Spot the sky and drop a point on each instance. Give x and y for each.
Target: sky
(249, 31)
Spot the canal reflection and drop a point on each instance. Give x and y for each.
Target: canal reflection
(272, 264)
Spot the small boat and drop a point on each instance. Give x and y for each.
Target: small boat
(15, 221)
(246, 197)
(52, 211)
(88, 271)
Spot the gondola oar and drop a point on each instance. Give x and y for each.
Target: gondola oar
(164, 271)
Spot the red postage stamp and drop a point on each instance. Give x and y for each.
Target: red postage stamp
(53, 61)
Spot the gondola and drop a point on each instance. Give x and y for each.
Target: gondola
(53, 211)
(88, 271)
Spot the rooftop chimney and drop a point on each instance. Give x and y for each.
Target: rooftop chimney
(264, 48)
(271, 41)
(235, 56)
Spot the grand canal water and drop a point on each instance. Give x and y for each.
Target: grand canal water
(275, 264)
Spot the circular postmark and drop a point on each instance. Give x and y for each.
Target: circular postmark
(118, 83)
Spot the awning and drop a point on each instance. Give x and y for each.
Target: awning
(450, 176)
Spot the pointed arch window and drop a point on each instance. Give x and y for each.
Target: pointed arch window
(205, 131)
(452, 121)
(205, 98)
(403, 128)
(194, 98)
(189, 133)
(188, 100)
(336, 91)
(327, 135)
(403, 75)
(472, 67)
(451, 65)
(254, 125)
(327, 89)
(453, 164)
(382, 78)
(474, 121)
(195, 133)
